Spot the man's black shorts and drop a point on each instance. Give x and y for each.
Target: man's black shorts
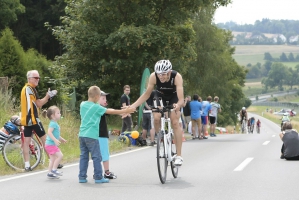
(37, 128)
(171, 99)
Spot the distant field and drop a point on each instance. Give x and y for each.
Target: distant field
(261, 49)
(253, 54)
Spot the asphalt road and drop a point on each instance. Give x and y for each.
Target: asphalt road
(227, 167)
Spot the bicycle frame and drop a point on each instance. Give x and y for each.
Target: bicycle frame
(167, 136)
(165, 146)
(243, 126)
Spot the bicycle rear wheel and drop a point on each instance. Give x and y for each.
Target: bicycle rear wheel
(174, 169)
(161, 157)
(13, 155)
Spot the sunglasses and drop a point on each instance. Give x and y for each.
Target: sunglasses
(162, 74)
(36, 78)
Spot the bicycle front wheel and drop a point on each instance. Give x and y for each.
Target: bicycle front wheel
(161, 157)
(13, 154)
(174, 168)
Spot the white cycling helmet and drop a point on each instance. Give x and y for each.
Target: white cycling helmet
(285, 114)
(163, 66)
(243, 108)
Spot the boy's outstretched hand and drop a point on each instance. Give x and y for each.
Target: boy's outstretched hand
(128, 110)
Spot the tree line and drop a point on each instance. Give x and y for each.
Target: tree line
(286, 27)
(262, 70)
(110, 43)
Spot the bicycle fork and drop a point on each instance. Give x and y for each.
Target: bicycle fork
(167, 140)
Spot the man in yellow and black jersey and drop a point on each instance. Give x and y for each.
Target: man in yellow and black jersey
(30, 102)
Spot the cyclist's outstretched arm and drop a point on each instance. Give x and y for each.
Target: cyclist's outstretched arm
(149, 89)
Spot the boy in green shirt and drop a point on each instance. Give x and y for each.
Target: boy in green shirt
(91, 112)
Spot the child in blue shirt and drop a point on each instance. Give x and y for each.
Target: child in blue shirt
(53, 140)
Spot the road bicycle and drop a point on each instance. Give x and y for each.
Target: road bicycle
(166, 150)
(12, 151)
(243, 126)
(258, 129)
(251, 128)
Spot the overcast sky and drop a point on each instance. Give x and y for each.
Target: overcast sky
(248, 11)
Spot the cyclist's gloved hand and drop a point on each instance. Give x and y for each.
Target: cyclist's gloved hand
(52, 93)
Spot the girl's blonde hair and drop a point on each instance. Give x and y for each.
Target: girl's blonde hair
(50, 111)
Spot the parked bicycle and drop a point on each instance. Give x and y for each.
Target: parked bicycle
(12, 151)
(166, 150)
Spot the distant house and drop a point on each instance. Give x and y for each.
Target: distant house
(279, 36)
(293, 39)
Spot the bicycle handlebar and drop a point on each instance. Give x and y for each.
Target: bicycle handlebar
(162, 108)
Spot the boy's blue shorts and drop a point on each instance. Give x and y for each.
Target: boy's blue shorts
(104, 147)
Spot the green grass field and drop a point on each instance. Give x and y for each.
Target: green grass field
(253, 54)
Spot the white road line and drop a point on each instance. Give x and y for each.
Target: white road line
(66, 166)
(243, 164)
(265, 143)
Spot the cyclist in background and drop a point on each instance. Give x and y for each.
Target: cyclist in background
(258, 125)
(248, 125)
(243, 114)
(252, 122)
(169, 86)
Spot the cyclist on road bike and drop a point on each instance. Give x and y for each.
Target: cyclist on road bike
(252, 122)
(243, 114)
(169, 86)
(258, 123)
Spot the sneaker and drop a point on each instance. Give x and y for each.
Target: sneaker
(52, 176)
(211, 135)
(204, 137)
(56, 172)
(28, 169)
(178, 161)
(152, 144)
(214, 135)
(282, 156)
(193, 138)
(110, 175)
(103, 180)
(60, 166)
(82, 181)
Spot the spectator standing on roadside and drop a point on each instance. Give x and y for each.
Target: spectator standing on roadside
(195, 106)
(206, 108)
(30, 103)
(215, 108)
(125, 101)
(148, 120)
(187, 111)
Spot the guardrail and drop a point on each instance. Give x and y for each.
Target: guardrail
(277, 104)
